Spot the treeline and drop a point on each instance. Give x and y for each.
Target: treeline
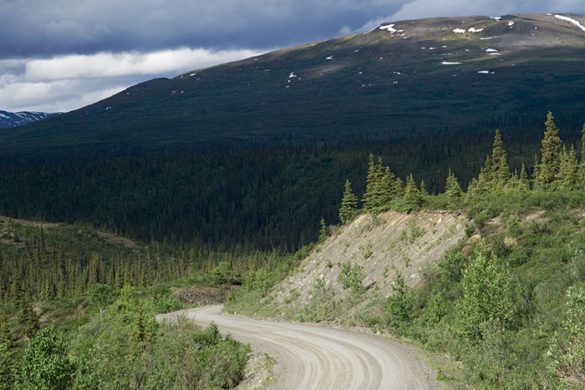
(51, 262)
(556, 168)
(264, 197)
(512, 307)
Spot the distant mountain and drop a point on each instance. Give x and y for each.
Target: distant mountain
(255, 152)
(400, 79)
(14, 119)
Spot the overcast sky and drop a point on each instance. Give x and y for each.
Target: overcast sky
(60, 55)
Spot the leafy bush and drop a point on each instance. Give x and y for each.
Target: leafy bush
(46, 365)
(399, 307)
(124, 347)
(487, 296)
(351, 276)
(567, 353)
(101, 295)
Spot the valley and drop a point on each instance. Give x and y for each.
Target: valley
(402, 207)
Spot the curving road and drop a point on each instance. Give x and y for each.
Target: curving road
(313, 357)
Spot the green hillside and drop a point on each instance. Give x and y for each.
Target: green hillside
(492, 280)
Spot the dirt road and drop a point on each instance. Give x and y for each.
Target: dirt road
(314, 357)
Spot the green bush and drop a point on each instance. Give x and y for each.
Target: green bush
(124, 347)
(487, 296)
(399, 308)
(566, 355)
(351, 277)
(101, 295)
(46, 365)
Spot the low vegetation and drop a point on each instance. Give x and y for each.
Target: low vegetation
(508, 302)
(122, 346)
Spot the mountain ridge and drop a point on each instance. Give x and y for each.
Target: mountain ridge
(21, 118)
(428, 76)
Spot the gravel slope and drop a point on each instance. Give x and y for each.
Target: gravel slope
(313, 357)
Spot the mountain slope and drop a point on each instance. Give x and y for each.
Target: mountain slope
(13, 119)
(362, 260)
(417, 76)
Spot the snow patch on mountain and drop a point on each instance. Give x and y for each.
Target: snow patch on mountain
(14, 119)
(389, 27)
(570, 20)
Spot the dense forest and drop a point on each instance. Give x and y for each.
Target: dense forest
(486, 307)
(261, 196)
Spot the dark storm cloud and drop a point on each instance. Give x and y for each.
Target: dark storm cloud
(58, 55)
(41, 27)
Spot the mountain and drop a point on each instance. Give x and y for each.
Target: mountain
(403, 78)
(14, 119)
(254, 153)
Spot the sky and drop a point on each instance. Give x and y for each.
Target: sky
(60, 55)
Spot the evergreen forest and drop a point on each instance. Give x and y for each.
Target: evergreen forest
(73, 296)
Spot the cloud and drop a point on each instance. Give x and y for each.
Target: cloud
(416, 9)
(42, 28)
(132, 63)
(65, 83)
(60, 55)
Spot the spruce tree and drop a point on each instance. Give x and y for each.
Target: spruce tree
(387, 189)
(398, 188)
(412, 197)
(550, 157)
(348, 209)
(378, 186)
(323, 231)
(399, 307)
(519, 182)
(453, 192)
(524, 177)
(500, 172)
(371, 200)
(567, 170)
(482, 185)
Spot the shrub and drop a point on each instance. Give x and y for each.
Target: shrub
(351, 277)
(46, 364)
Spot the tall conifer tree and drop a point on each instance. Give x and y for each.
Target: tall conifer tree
(370, 201)
(387, 189)
(453, 191)
(500, 172)
(412, 197)
(349, 202)
(379, 186)
(568, 170)
(550, 157)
